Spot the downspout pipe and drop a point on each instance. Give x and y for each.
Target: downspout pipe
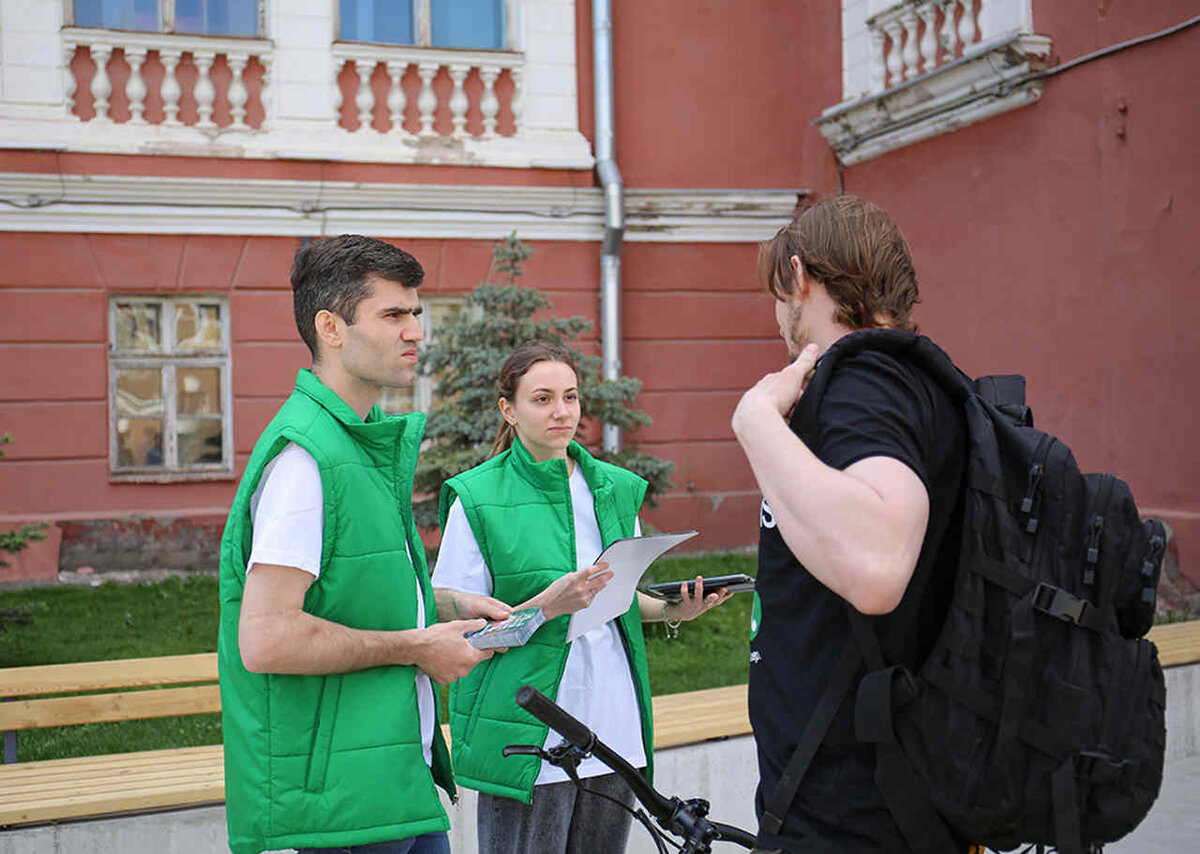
(614, 205)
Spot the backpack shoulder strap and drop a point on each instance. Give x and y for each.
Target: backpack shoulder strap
(906, 346)
(840, 682)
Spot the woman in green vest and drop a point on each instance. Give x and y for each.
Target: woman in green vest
(525, 527)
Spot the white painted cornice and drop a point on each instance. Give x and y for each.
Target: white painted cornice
(122, 204)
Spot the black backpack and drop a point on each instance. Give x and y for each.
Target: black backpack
(1038, 716)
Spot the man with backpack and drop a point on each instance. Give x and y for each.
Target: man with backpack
(859, 507)
(947, 640)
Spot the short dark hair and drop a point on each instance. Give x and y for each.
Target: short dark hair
(331, 274)
(856, 252)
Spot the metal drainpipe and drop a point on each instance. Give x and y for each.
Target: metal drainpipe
(614, 205)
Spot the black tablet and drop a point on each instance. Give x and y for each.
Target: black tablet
(736, 583)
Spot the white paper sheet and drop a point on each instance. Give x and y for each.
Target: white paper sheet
(628, 559)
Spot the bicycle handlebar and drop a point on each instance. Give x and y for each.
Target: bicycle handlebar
(679, 817)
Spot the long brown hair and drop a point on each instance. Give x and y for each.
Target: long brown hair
(853, 248)
(515, 367)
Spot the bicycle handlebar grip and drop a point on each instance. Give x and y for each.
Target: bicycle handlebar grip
(521, 750)
(545, 710)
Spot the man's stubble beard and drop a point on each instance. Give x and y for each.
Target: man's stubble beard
(796, 339)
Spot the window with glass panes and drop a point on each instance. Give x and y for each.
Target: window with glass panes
(464, 24)
(170, 406)
(419, 398)
(196, 17)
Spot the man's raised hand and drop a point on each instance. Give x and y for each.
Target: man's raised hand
(779, 390)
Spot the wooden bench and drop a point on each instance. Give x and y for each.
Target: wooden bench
(58, 789)
(53, 695)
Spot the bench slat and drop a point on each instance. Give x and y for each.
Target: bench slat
(79, 806)
(1178, 643)
(18, 774)
(713, 712)
(100, 708)
(181, 752)
(129, 780)
(97, 785)
(101, 675)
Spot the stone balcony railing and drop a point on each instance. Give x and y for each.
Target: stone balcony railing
(912, 38)
(217, 84)
(920, 68)
(296, 95)
(422, 92)
(168, 80)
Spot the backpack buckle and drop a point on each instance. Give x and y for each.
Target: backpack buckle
(1059, 603)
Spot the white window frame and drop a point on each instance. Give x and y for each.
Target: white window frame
(168, 19)
(423, 387)
(423, 26)
(168, 359)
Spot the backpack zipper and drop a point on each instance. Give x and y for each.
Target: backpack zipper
(1032, 501)
(1096, 530)
(1157, 546)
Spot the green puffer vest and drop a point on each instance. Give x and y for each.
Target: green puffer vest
(333, 760)
(521, 515)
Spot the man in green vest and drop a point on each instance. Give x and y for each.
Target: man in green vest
(329, 633)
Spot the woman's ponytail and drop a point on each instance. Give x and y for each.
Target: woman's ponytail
(503, 440)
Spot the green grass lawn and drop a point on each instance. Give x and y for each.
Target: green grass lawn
(176, 617)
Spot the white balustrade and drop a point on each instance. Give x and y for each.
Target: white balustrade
(364, 100)
(427, 100)
(135, 87)
(70, 84)
(929, 41)
(914, 37)
(489, 104)
(517, 103)
(967, 31)
(895, 58)
(396, 99)
(265, 87)
(204, 92)
(458, 100)
(101, 83)
(170, 89)
(238, 95)
(135, 92)
(473, 78)
(143, 50)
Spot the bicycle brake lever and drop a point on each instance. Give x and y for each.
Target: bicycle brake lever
(524, 750)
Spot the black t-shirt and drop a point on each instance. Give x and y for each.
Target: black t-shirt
(874, 406)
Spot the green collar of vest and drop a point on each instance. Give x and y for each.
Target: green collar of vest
(379, 434)
(551, 473)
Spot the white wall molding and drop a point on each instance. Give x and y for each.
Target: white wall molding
(122, 204)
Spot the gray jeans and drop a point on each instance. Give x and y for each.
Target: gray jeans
(560, 820)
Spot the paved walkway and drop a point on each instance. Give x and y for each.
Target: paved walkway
(1173, 825)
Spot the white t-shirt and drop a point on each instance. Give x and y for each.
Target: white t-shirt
(288, 510)
(597, 686)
